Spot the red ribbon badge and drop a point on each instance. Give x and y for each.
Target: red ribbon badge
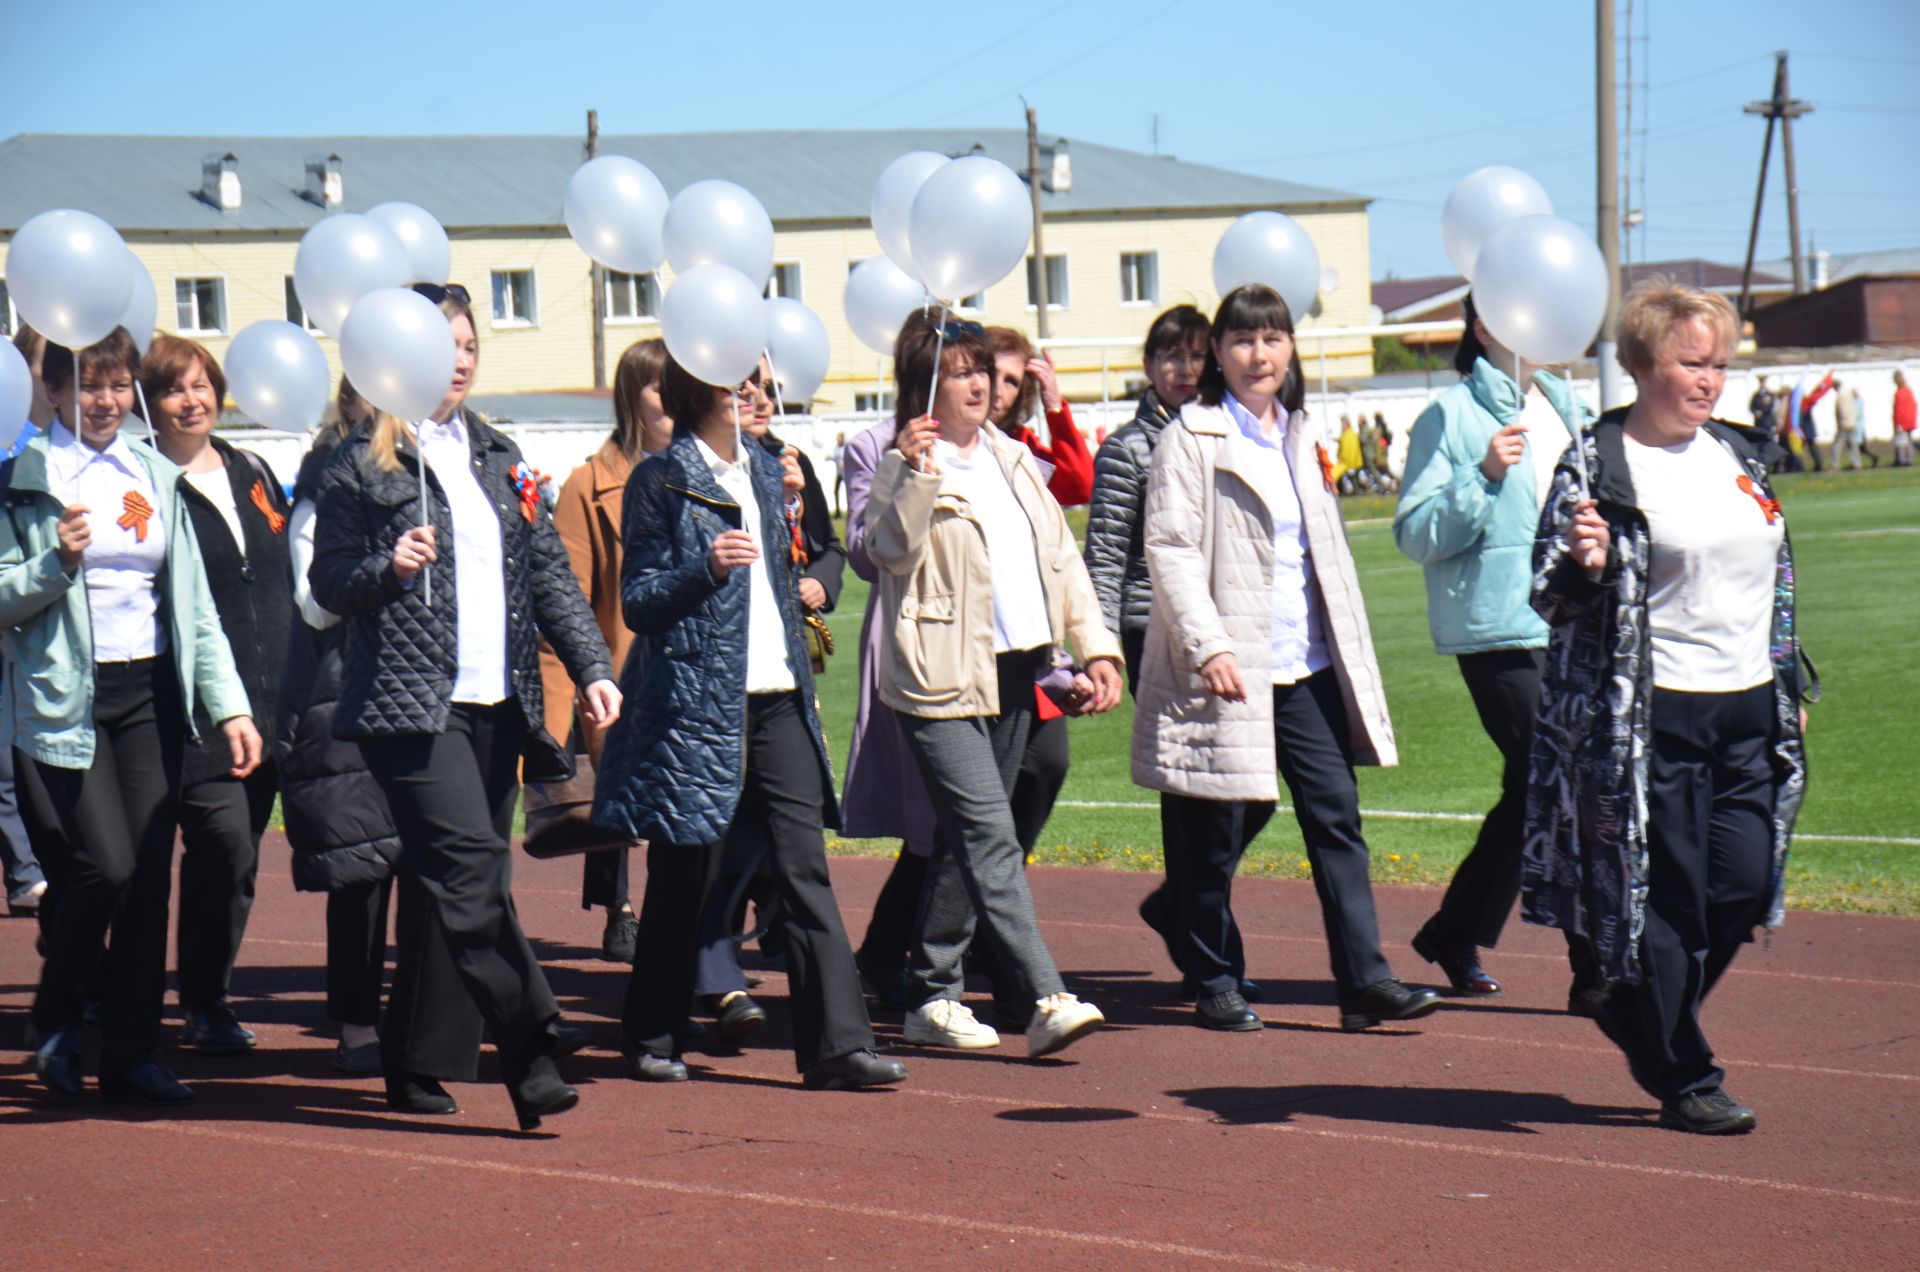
(275, 522)
(1326, 464)
(137, 512)
(1769, 506)
(526, 483)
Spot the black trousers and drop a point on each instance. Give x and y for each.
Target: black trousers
(782, 788)
(1316, 762)
(1202, 841)
(603, 880)
(1709, 861)
(889, 938)
(452, 796)
(1133, 651)
(357, 951)
(111, 828)
(221, 822)
(1043, 771)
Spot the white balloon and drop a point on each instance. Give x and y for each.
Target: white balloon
(16, 394)
(1329, 280)
(429, 254)
(970, 226)
(616, 210)
(891, 204)
(342, 258)
(143, 307)
(69, 277)
(1269, 248)
(719, 223)
(878, 298)
(797, 346)
(398, 350)
(1540, 285)
(1485, 200)
(278, 376)
(715, 323)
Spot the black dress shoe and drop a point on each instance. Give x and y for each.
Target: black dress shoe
(216, 1032)
(1461, 963)
(414, 1093)
(569, 1040)
(736, 1016)
(622, 936)
(648, 1067)
(1227, 1011)
(1709, 1112)
(540, 1093)
(855, 1069)
(1249, 990)
(1586, 994)
(1386, 1000)
(57, 1064)
(146, 1083)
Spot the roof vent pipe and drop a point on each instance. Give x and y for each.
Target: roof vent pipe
(220, 180)
(1056, 167)
(324, 185)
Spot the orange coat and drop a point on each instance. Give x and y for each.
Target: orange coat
(587, 515)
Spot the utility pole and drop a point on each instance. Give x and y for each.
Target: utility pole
(597, 276)
(1780, 108)
(1607, 222)
(1039, 241)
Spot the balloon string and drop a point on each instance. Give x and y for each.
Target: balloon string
(779, 406)
(739, 455)
(426, 571)
(939, 347)
(146, 414)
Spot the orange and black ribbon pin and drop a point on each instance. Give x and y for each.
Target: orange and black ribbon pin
(1326, 464)
(136, 515)
(1769, 506)
(275, 522)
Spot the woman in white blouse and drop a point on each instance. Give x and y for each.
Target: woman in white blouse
(113, 645)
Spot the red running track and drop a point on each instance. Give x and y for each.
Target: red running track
(1501, 1134)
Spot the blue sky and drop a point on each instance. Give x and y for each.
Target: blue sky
(1394, 100)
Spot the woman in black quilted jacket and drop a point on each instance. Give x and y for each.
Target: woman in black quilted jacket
(441, 688)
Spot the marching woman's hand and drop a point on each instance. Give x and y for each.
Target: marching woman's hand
(413, 552)
(1506, 449)
(1588, 539)
(602, 699)
(1108, 685)
(73, 536)
(916, 442)
(244, 741)
(1041, 369)
(813, 594)
(791, 477)
(1222, 677)
(731, 550)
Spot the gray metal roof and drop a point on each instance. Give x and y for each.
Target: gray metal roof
(152, 183)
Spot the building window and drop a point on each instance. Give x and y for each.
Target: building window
(631, 297)
(785, 280)
(9, 323)
(296, 313)
(976, 303)
(1057, 295)
(1139, 278)
(514, 302)
(200, 305)
(864, 402)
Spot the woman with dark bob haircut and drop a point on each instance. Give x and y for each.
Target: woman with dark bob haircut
(1258, 658)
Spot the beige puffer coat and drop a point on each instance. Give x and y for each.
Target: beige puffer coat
(936, 585)
(1209, 548)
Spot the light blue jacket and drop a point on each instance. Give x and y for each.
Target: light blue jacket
(46, 627)
(1474, 536)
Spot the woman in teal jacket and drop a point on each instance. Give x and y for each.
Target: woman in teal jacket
(1479, 465)
(111, 639)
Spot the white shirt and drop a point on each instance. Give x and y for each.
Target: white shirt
(121, 562)
(1019, 603)
(1298, 634)
(479, 569)
(300, 546)
(1712, 569)
(768, 668)
(1547, 441)
(219, 492)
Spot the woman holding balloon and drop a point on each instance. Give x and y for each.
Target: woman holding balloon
(115, 649)
(441, 684)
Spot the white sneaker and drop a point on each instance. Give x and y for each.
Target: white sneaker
(1059, 1019)
(947, 1023)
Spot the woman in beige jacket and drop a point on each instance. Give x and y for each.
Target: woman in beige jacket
(1258, 657)
(980, 581)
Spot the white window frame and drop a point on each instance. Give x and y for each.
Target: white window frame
(1066, 272)
(1142, 302)
(533, 288)
(800, 281)
(974, 304)
(226, 311)
(306, 319)
(639, 284)
(884, 397)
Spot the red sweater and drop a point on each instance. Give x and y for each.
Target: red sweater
(1072, 480)
(1903, 409)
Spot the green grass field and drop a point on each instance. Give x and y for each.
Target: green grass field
(1857, 543)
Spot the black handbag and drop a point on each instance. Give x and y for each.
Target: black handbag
(559, 816)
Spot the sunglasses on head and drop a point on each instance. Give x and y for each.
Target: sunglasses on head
(436, 293)
(956, 328)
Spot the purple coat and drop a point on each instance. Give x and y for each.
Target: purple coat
(885, 797)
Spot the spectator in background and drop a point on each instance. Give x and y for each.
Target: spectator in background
(839, 472)
(1904, 420)
(1761, 405)
(1351, 462)
(1860, 429)
(1809, 430)
(1025, 384)
(1846, 427)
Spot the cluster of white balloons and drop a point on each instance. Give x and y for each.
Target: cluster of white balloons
(1539, 282)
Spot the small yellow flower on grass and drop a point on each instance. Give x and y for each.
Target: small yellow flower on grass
(1393, 856)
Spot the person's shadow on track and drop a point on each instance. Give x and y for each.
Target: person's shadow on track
(1512, 1112)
